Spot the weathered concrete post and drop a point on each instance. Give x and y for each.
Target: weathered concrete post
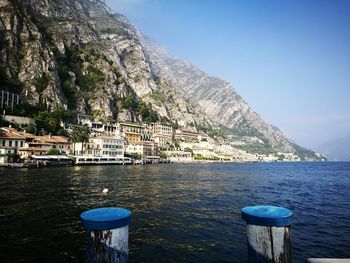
(108, 234)
(268, 233)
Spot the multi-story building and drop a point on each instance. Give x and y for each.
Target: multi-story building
(161, 133)
(149, 148)
(22, 143)
(133, 132)
(185, 135)
(87, 149)
(204, 150)
(6, 154)
(109, 128)
(29, 151)
(145, 149)
(108, 146)
(37, 145)
(134, 149)
(10, 138)
(48, 141)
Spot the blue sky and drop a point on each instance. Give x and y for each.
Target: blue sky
(290, 60)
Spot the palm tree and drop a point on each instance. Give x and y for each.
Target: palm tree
(80, 134)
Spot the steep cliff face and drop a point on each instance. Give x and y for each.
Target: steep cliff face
(213, 96)
(26, 55)
(79, 54)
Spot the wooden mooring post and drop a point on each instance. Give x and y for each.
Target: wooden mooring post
(268, 234)
(108, 234)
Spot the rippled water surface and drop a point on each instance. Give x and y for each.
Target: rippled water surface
(181, 212)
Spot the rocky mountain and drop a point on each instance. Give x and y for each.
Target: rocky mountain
(82, 56)
(78, 54)
(213, 96)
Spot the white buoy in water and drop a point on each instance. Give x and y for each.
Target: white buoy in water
(105, 191)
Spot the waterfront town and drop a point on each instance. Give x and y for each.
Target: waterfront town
(120, 143)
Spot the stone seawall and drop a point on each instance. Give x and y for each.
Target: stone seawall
(18, 119)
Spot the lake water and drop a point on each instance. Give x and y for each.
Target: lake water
(181, 212)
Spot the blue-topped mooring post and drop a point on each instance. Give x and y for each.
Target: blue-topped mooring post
(268, 233)
(108, 234)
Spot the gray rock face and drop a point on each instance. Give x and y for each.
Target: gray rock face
(36, 32)
(26, 55)
(213, 96)
(80, 55)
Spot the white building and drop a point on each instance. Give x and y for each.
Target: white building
(109, 146)
(144, 149)
(136, 149)
(203, 149)
(6, 154)
(10, 138)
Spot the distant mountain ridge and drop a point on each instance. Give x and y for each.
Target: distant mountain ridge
(337, 149)
(214, 97)
(80, 55)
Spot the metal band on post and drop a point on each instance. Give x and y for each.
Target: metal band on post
(108, 234)
(268, 233)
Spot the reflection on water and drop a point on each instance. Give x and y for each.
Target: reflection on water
(181, 213)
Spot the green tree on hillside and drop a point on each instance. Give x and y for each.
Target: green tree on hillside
(50, 122)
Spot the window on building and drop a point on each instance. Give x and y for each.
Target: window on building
(16, 143)
(10, 143)
(3, 142)
(21, 144)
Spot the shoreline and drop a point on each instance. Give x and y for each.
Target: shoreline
(30, 165)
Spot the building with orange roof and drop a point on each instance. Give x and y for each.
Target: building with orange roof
(9, 138)
(26, 144)
(47, 142)
(29, 151)
(27, 135)
(40, 145)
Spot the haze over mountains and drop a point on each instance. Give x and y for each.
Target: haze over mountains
(80, 55)
(337, 149)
